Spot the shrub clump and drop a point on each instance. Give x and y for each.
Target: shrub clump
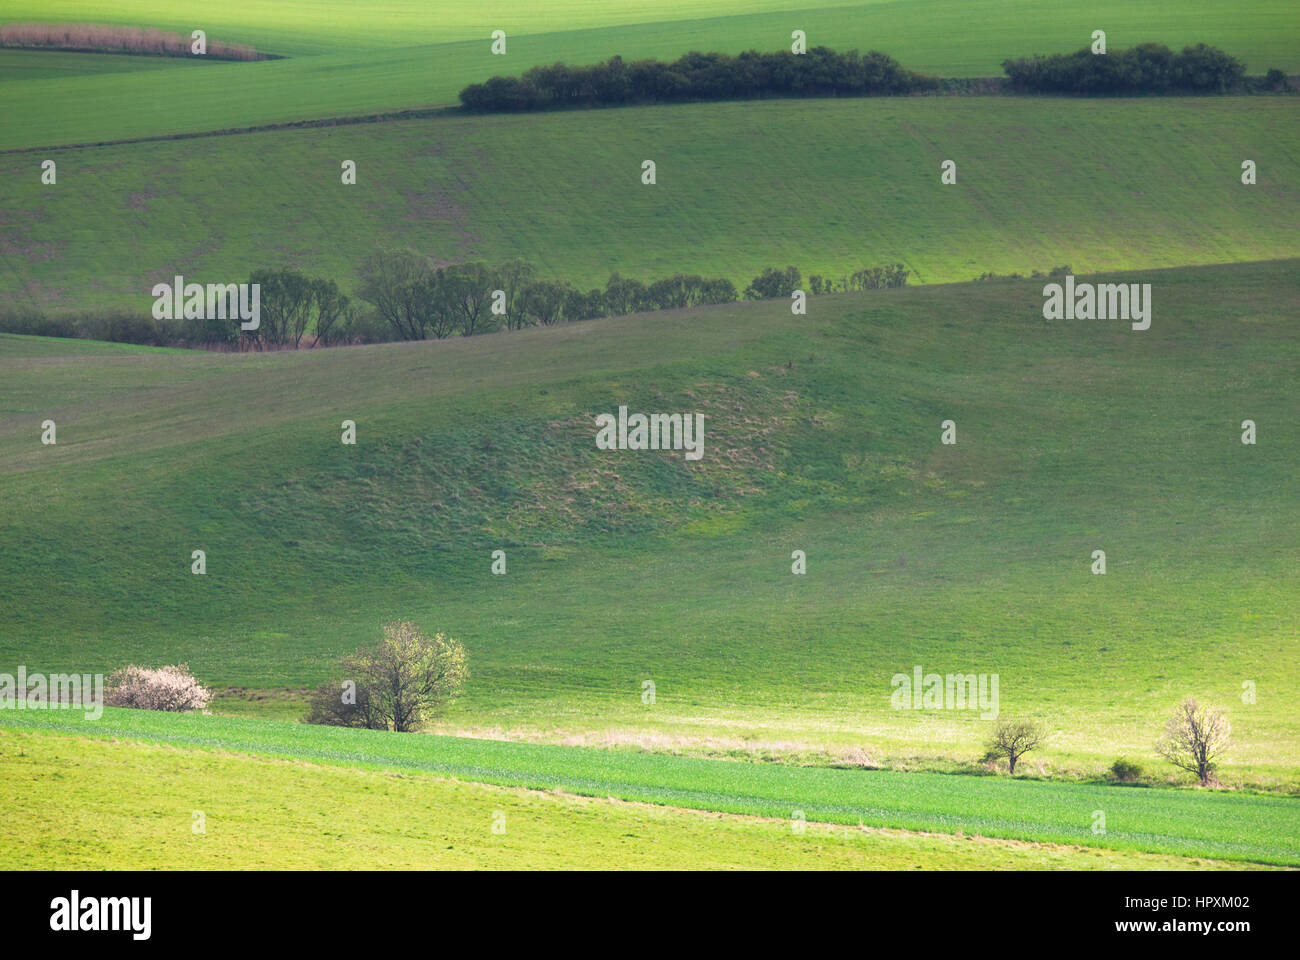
(167, 688)
(1125, 771)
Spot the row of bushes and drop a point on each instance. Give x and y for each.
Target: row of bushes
(821, 72)
(1146, 68)
(401, 296)
(1060, 271)
(774, 282)
(417, 301)
(116, 326)
(294, 308)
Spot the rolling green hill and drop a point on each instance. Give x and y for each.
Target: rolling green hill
(830, 186)
(347, 57)
(822, 434)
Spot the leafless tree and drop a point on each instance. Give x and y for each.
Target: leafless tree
(1195, 737)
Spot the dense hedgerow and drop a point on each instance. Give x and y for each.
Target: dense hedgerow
(821, 72)
(1146, 68)
(419, 302)
(292, 305)
(114, 326)
(410, 299)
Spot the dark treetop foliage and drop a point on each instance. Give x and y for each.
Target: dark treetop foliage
(821, 72)
(1146, 68)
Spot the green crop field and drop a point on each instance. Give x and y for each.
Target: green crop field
(346, 58)
(1208, 824)
(651, 683)
(268, 814)
(842, 185)
(44, 64)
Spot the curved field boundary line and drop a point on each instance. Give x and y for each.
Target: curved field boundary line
(417, 114)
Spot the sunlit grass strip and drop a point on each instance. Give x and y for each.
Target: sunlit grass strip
(1219, 825)
(262, 813)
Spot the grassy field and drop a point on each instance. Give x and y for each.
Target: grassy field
(1177, 822)
(846, 184)
(822, 435)
(353, 58)
(44, 64)
(267, 814)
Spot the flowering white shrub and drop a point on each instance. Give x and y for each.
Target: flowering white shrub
(167, 688)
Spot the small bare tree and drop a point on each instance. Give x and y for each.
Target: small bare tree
(1195, 737)
(396, 684)
(1013, 739)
